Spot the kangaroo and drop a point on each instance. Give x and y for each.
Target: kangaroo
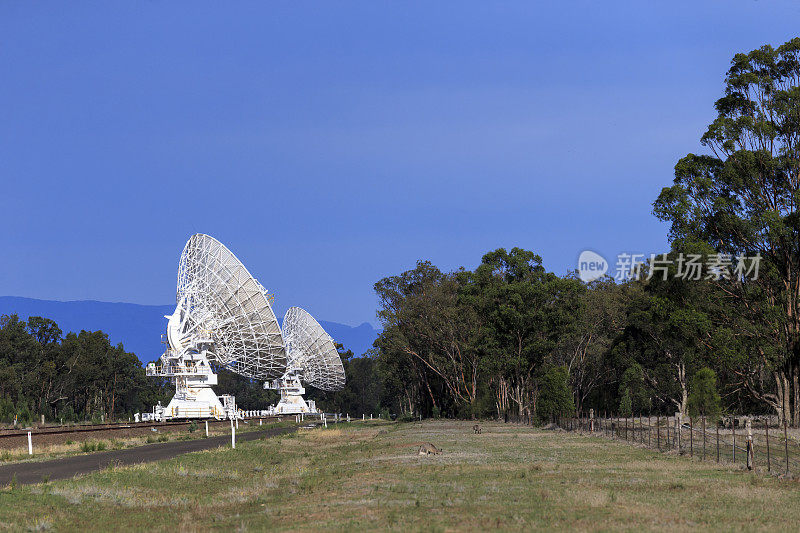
(476, 429)
(428, 448)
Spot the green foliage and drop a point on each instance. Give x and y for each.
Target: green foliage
(625, 404)
(75, 377)
(633, 386)
(192, 426)
(704, 400)
(741, 198)
(555, 397)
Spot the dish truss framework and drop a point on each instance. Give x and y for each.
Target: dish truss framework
(312, 359)
(223, 319)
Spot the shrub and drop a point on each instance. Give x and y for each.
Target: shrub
(625, 404)
(192, 426)
(555, 397)
(704, 400)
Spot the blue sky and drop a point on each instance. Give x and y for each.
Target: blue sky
(331, 144)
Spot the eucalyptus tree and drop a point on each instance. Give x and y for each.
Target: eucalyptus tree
(741, 197)
(426, 319)
(525, 310)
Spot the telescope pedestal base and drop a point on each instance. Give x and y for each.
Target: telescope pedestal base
(200, 402)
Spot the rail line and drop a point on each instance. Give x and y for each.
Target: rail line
(60, 430)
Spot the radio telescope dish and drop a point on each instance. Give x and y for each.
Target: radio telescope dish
(311, 349)
(312, 359)
(218, 296)
(223, 318)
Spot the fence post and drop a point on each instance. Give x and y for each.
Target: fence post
(649, 429)
(591, 420)
(669, 442)
(786, 443)
(658, 431)
(691, 437)
(750, 452)
(626, 428)
(641, 428)
(678, 428)
(30, 444)
(766, 432)
(704, 437)
(733, 429)
(717, 441)
(233, 435)
(206, 428)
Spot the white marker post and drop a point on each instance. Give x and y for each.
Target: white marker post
(260, 422)
(30, 444)
(233, 436)
(206, 428)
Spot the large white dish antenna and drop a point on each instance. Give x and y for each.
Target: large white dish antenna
(312, 351)
(219, 300)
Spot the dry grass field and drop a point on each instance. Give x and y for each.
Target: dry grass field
(370, 477)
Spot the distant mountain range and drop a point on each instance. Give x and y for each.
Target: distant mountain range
(139, 327)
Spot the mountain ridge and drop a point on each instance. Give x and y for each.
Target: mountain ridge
(139, 327)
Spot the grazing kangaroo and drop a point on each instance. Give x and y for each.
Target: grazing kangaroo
(476, 429)
(428, 448)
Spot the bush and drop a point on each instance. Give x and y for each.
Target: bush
(87, 446)
(625, 404)
(555, 397)
(192, 426)
(704, 400)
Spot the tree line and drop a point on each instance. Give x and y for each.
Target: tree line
(510, 337)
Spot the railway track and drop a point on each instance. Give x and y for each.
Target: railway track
(61, 430)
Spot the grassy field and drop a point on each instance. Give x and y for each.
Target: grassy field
(370, 477)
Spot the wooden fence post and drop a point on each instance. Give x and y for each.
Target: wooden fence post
(649, 429)
(786, 441)
(668, 441)
(691, 437)
(750, 452)
(658, 431)
(733, 429)
(704, 437)
(717, 441)
(766, 432)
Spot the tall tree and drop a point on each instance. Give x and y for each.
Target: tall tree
(525, 310)
(742, 198)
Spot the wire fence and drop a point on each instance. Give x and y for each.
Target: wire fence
(765, 447)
